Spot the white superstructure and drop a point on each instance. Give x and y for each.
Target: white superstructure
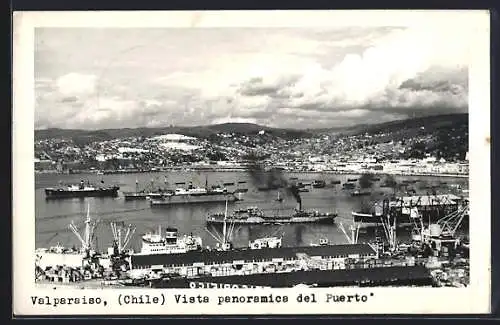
(171, 243)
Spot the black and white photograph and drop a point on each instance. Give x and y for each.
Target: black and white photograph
(264, 157)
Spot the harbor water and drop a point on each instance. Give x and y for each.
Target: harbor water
(54, 216)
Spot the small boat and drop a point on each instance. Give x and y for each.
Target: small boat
(319, 184)
(360, 193)
(348, 186)
(352, 180)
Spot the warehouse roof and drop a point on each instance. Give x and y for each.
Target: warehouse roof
(249, 255)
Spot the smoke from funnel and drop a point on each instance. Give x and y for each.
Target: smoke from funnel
(271, 179)
(294, 190)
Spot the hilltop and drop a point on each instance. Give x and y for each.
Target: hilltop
(444, 128)
(88, 136)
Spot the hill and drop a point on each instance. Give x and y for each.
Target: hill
(87, 136)
(443, 136)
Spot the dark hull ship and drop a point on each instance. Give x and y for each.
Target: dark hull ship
(417, 275)
(80, 191)
(254, 216)
(408, 209)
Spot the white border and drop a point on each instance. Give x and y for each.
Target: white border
(474, 299)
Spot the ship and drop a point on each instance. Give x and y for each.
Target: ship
(170, 243)
(193, 195)
(416, 275)
(81, 190)
(408, 209)
(348, 186)
(145, 194)
(274, 266)
(59, 255)
(254, 216)
(360, 193)
(319, 184)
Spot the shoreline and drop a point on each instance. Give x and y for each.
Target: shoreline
(233, 170)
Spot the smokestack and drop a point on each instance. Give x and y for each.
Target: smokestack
(299, 206)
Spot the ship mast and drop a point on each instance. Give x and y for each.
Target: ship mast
(224, 229)
(87, 228)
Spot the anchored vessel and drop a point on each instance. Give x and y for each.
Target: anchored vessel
(81, 190)
(319, 184)
(254, 215)
(360, 193)
(193, 195)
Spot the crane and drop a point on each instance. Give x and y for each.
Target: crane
(86, 240)
(121, 241)
(450, 223)
(354, 228)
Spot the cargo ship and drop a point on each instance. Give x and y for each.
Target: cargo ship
(255, 216)
(417, 275)
(192, 195)
(408, 209)
(59, 255)
(81, 190)
(170, 243)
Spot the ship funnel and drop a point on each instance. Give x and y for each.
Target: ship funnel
(299, 206)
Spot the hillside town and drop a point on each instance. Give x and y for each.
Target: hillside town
(376, 153)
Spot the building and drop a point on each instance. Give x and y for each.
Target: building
(252, 261)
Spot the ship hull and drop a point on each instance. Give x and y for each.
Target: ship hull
(192, 199)
(361, 277)
(135, 196)
(290, 220)
(64, 194)
(401, 220)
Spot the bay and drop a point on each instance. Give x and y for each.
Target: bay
(53, 216)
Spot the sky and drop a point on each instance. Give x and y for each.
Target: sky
(89, 78)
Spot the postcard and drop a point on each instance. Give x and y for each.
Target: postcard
(251, 162)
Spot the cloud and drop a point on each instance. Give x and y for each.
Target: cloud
(269, 76)
(409, 71)
(230, 119)
(76, 84)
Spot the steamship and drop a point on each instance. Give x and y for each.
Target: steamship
(81, 190)
(407, 209)
(255, 216)
(192, 195)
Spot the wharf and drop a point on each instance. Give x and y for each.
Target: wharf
(417, 275)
